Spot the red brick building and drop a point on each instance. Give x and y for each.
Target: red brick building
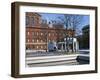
(39, 32)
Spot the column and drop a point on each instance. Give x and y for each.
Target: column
(65, 43)
(73, 45)
(62, 47)
(77, 46)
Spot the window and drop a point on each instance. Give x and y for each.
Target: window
(27, 20)
(41, 40)
(49, 34)
(41, 33)
(33, 46)
(37, 47)
(41, 47)
(33, 40)
(32, 33)
(45, 46)
(37, 40)
(37, 33)
(28, 40)
(44, 40)
(49, 40)
(32, 21)
(28, 33)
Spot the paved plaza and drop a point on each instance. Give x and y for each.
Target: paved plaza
(39, 59)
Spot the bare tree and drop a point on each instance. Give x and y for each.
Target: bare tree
(71, 21)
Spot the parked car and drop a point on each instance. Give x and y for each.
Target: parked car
(52, 46)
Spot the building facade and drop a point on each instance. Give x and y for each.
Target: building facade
(40, 32)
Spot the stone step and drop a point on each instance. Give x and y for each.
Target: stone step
(35, 60)
(54, 63)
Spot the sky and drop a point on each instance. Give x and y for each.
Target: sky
(49, 16)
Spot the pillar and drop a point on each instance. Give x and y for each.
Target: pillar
(77, 46)
(62, 47)
(65, 46)
(73, 45)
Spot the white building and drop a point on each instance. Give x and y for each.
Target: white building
(71, 42)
